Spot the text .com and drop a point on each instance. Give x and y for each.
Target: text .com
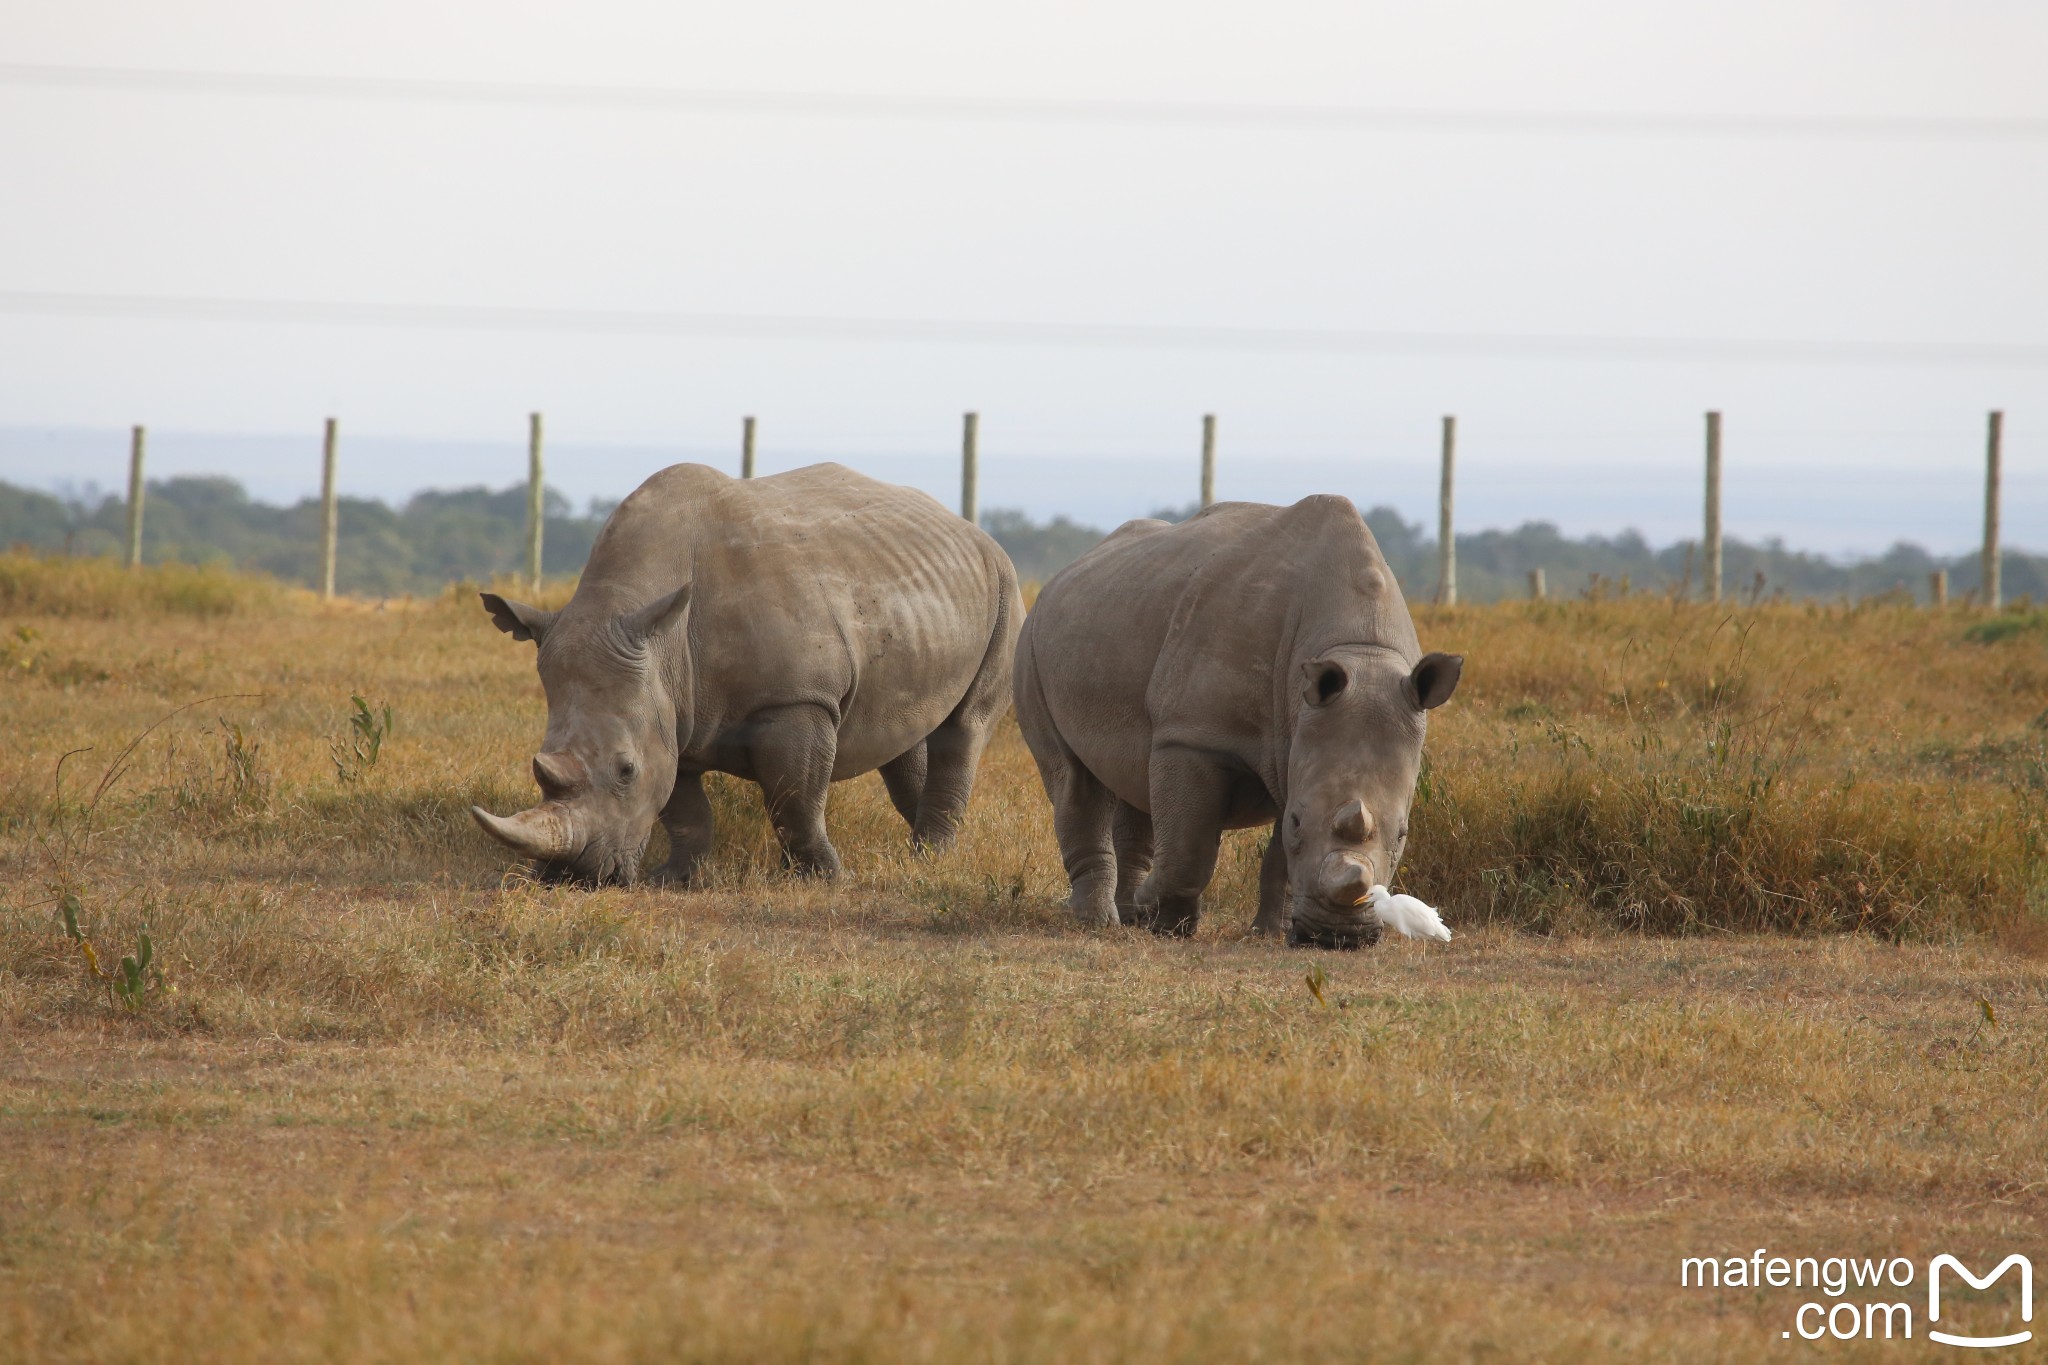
(1867, 1318)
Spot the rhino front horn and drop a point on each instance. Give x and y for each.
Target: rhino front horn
(537, 833)
(1346, 880)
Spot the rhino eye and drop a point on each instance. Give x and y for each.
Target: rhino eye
(628, 770)
(1293, 820)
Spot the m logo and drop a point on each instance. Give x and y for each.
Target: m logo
(1934, 1298)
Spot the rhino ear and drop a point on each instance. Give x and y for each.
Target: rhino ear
(659, 615)
(1434, 679)
(516, 619)
(1323, 681)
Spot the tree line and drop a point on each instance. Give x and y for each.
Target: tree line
(474, 534)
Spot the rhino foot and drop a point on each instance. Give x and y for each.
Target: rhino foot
(931, 845)
(1094, 914)
(820, 869)
(686, 877)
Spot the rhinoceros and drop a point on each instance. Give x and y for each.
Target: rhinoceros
(1251, 665)
(795, 631)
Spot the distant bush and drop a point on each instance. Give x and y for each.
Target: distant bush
(1038, 550)
(2010, 626)
(436, 536)
(100, 587)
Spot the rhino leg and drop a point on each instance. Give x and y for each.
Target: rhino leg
(952, 753)
(1189, 798)
(904, 776)
(1082, 810)
(1132, 833)
(687, 818)
(792, 752)
(1273, 917)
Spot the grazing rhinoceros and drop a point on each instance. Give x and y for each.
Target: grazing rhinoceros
(794, 631)
(1252, 665)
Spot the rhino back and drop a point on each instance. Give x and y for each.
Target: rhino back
(1191, 634)
(817, 586)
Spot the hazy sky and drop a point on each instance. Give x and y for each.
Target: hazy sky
(1495, 233)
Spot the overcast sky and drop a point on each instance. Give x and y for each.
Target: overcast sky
(794, 240)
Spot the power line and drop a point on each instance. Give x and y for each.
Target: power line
(1024, 109)
(767, 327)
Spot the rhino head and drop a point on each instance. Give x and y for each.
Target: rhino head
(1355, 754)
(607, 764)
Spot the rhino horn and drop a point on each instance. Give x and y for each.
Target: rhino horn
(538, 833)
(558, 774)
(1346, 880)
(1353, 823)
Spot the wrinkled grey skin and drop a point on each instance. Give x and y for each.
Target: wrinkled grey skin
(1253, 665)
(794, 630)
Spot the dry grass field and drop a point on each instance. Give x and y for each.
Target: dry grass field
(1752, 913)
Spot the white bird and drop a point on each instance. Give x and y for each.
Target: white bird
(1406, 915)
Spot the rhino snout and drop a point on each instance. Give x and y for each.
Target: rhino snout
(1332, 913)
(549, 835)
(1345, 879)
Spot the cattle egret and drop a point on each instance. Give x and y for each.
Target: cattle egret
(1406, 915)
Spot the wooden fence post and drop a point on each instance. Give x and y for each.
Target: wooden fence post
(1712, 546)
(330, 513)
(1937, 589)
(1537, 591)
(535, 503)
(970, 469)
(135, 491)
(1993, 586)
(747, 449)
(1208, 459)
(1446, 539)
